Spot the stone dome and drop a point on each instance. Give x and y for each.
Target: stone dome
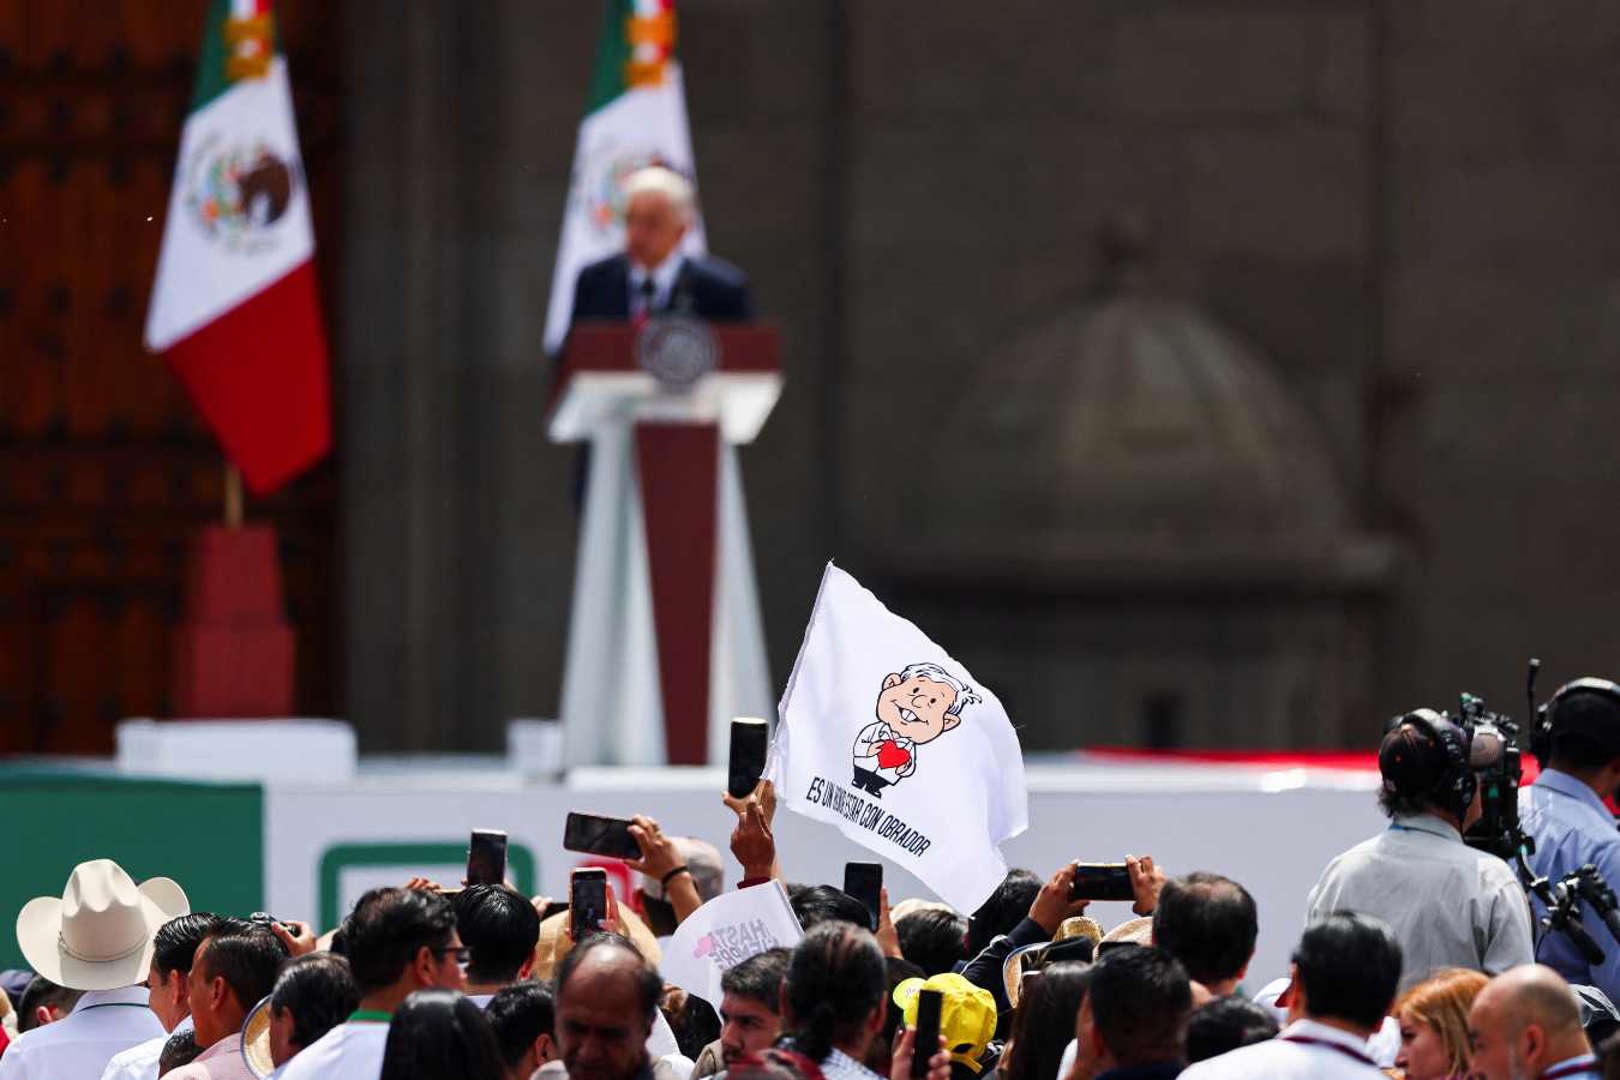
(1134, 433)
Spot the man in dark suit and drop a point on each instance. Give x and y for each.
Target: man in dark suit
(653, 276)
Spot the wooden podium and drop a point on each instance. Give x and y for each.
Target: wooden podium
(665, 640)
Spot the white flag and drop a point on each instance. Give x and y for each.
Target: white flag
(888, 737)
(723, 933)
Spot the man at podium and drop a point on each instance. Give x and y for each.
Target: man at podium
(653, 276)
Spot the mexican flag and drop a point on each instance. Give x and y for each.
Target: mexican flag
(234, 308)
(636, 116)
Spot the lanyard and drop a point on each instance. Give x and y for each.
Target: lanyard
(1306, 1040)
(374, 1015)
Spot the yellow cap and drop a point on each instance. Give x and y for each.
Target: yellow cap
(967, 1014)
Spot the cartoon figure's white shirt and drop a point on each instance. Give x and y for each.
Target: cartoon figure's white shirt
(870, 752)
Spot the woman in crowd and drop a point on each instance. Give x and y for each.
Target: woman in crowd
(440, 1035)
(1433, 1016)
(1044, 1022)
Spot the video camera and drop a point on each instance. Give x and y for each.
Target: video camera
(1495, 757)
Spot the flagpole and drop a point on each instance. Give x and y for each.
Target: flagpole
(233, 497)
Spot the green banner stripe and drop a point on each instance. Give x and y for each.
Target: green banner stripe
(207, 837)
(414, 853)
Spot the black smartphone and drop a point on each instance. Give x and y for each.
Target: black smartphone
(1101, 881)
(486, 857)
(596, 835)
(587, 900)
(750, 737)
(864, 881)
(926, 1044)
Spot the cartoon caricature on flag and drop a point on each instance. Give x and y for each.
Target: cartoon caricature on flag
(931, 777)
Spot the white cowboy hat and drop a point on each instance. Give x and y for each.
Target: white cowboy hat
(98, 936)
(256, 1040)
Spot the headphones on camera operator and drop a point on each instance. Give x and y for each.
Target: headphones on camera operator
(1443, 772)
(1547, 716)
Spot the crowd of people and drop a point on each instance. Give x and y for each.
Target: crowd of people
(1418, 959)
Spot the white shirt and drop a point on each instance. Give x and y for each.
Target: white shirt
(663, 279)
(1449, 905)
(351, 1051)
(141, 1062)
(79, 1046)
(1330, 1054)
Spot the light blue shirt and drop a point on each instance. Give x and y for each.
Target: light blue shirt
(1572, 827)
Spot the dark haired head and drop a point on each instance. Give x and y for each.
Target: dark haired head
(1224, 1024)
(759, 978)
(41, 992)
(835, 980)
(1349, 966)
(816, 904)
(387, 929)
(1043, 1024)
(319, 991)
(247, 961)
(519, 1015)
(1209, 923)
(178, 1049)
(440, 1035)
(934, 939)
(1415, 760)
(692, 1020)
(1585, 730)
(649, 986)
(1004, 910)
(1139, 999)
(500, 929)
(174, 946)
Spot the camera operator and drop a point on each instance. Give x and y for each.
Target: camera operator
(1563, 812)
(1449, 905)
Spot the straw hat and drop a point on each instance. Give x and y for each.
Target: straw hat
(98, 936)
(256, 1040)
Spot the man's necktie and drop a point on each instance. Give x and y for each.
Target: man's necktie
(648, 290)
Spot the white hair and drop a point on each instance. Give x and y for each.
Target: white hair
(658, 180)
(965, 694)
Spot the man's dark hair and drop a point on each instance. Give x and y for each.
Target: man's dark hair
(248, 962)
(1140, 999)
(835, 979)
(178, 1049)
(520, 1014)
(42, 992)
(319, 991)
(816, 904)
(759, 978)
(1349, 966)
(649, 985)
(439, 1035)
(1579, 721)
(174, 946)
(388, 927)
(1004, 910)
(500, 928)
(934, 939)
(1209, 923)
(1227, 1023)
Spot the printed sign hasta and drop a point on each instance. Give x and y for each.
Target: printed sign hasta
(726, 931)
(887, 736)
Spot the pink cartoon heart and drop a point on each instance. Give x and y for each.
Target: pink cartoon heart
(705, 946)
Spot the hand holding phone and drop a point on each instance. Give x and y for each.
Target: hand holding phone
(749, 742)
(597, 835)
(864, 881)
(486, 857)
(926, 1042)
(587, 901)
(1102, 881)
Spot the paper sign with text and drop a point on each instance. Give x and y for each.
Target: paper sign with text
(726, 931)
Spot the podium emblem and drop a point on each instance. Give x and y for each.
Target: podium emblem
(677, 350)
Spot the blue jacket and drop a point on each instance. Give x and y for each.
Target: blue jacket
(705, 287)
